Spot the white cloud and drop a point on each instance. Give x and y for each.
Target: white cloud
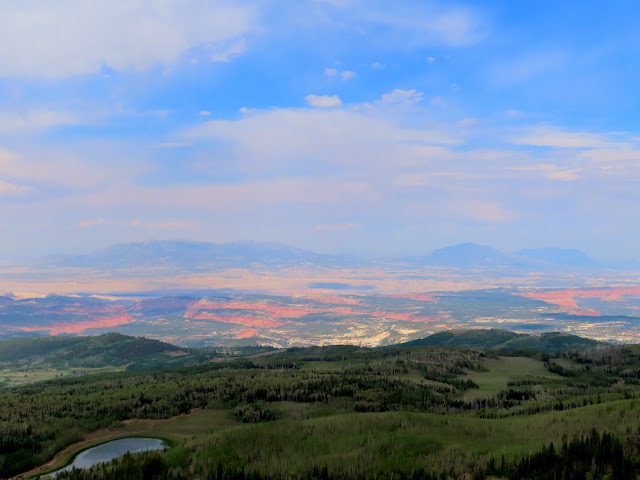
(337, 227)
(573, 155)
(204, 113)
(39, 119)
(565, 175)
(172, 145)
(336, 3)
(402, 97)
(486, 211)
(7, 157)
(552, 172)
(411, 23)
(545, 136)
(76, 37)
(330, 72)
(340, 138)
(92, 223)
(526, 67)
(429, 24)
(226, 53)
(176, 225)
(90, 169)
(250, 196)
(347, 75)
(438, 102)
(323, 101)
(513, 113)
(612, 155)
(466, 122)
(7, 188)
(378, 66)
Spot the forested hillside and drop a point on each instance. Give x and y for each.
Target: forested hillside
(341, 412)
(107, 349)
(551, 342)
(29, 359)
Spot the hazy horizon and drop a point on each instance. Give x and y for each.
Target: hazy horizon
(25, 258)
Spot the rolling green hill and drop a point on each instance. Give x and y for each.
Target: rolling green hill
(552, 342)
(107, 349)
(26, 360)
(111, 349)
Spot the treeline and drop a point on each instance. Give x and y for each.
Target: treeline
(594, 456)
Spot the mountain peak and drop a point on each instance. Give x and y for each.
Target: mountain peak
(467, 255)
(559, 256)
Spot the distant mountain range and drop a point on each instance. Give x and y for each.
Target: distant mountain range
(560, 256)
(201, 256)
(194, 256)
(473, 256)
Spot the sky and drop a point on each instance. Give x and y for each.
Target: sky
(341, 126)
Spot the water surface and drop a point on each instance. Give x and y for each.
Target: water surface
(110, 450)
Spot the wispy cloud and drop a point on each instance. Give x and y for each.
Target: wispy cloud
(81, 37)
(93, 223)
(53, 167)
(545, 136)
(527, 67)
(172, 145)
(336, 227)
(347, 75)
(405, 97)
(30, 120)
(552, 172)
(228, 52)
(429, 23)
(323, 101)
(176, 225)
(7, 188)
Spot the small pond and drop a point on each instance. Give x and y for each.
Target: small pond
(110, 450)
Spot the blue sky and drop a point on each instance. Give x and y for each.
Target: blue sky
(355, 126)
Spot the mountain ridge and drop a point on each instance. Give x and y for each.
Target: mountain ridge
(183, 255)
(194, 255)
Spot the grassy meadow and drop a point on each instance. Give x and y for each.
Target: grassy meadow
(501, 370)
(23, 375)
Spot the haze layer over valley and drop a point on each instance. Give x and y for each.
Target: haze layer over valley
(197, 294)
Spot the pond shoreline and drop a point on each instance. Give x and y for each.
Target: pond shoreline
(95, 439)
(149, 443)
